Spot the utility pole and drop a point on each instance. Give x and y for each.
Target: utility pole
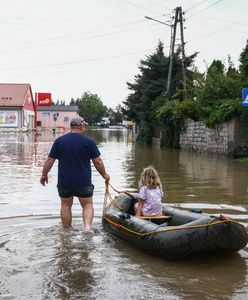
(178, 18)
(183, 52)
(171, 54)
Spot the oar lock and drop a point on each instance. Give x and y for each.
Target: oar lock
(124, 216)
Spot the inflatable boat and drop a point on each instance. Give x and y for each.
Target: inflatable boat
(175, 234)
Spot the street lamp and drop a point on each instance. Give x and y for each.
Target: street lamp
(178, 18)
(170, 54)
(149, 18)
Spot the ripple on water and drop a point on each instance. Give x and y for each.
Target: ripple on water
(70, 264)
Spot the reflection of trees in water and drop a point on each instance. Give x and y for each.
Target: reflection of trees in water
(108, 135)
(186, 176)
(206, 276)
(18, 147)
(53, 263)
(69, 274)
(216, 276)
(165, 161)
(219, 179)
(189, 176)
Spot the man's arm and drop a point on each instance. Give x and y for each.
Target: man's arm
(99, 165)
(46, 168)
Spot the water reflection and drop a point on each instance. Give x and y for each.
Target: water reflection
(221, 180)
(18, 147)
(197, 277)
(67, 264)
(60, 264)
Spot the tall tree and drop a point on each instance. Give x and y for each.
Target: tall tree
(221, 84)
(90, 107)
(244, 64)
(149, 85)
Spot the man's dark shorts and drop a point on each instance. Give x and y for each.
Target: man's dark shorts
(82, 192)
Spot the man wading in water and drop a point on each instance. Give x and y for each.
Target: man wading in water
(74, 152)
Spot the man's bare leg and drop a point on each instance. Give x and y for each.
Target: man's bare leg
(65, 211)
(87, 212)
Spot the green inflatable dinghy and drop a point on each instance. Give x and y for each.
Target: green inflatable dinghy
(176, 234)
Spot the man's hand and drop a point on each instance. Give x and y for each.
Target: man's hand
(43, 179)
(107, 178)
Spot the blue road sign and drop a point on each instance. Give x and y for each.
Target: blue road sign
(245, 96)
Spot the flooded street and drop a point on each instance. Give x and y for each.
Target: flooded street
(41, 260)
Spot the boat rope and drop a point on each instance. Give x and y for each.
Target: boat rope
(143, 234)
(121, 192)
(112, 201)
(107, 203)
(163, 230)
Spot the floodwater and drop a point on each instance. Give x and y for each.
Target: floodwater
(41, 260)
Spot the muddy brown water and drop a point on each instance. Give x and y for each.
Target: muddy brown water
(41, 260)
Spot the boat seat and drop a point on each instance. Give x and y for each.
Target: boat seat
(156, 219)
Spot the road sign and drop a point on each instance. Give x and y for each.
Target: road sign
(245, 96)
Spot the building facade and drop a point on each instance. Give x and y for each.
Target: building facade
(56, 116)
(17, 107)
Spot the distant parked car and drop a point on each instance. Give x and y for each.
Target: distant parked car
(105, 122)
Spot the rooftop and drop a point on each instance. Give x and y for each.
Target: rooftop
(13, 94)
(59, 108)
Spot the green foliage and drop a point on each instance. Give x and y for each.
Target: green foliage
(213, 97)
(146, 98)
(244, 121)
(172, 116)
(118, 116)
(220, 85)
(218, 99)
(244, 63)
(242, 159)
(90, 107)
(221, 113)
(146, 133)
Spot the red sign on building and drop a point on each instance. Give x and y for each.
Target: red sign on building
(44, 99)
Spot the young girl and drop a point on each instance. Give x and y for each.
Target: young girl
(150, 194)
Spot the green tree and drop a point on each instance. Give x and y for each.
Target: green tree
(219, 98)
(149, 87)
(90, 107)
(118, 116)
(244, 64)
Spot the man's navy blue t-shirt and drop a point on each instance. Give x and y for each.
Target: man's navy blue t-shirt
(74, 152)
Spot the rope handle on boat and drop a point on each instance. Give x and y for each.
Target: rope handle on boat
(223, 219)
(121, 192)
(164, 230)
(112, 200)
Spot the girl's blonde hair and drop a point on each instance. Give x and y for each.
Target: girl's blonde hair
(149, 177)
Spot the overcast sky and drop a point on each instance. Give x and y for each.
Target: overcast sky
(68, 47)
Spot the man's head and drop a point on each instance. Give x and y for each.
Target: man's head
(78, 122)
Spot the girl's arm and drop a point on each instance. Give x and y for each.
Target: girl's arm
(139, 209)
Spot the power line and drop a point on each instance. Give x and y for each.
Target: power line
(74, 34)
(161, 5)
(76, 61)
(211, 5)
(74, 40)
(75, 69)
(196, 5)
(223, 20)
(139, 6)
